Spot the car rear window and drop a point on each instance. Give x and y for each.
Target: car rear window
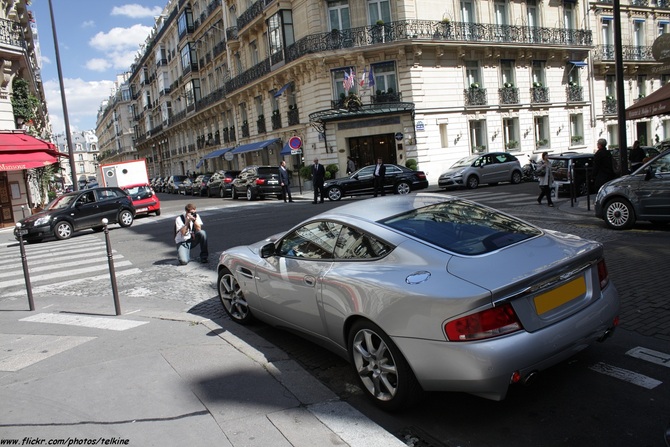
(268, 171)
(462, 227)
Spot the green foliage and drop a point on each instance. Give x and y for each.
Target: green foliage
(306, 172)
(24, 103)
(332, 168)
(411, 164)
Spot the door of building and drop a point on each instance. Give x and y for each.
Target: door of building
(366, 150)
(6, 214)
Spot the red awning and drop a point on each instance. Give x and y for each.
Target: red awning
(658, 103)
(20, 151)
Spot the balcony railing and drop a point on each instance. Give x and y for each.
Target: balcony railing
(539, 95)
(245, 130)
(249, 76)
(508, 95)
(475, 97)
(629, 53)
(574, 93)
(384, 98)
(293, 117)
(260, 124)
(609, 107)
(276, 120)
(250, 14)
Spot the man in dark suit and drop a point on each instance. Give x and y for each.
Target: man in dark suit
(285, 182)
(318, 177)
(603, 166)
(379, 177)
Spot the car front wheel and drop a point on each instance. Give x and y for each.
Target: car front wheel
(473, 182)
(125, 218)
(232, 298)
(250, 194)
(516, 177)
(403, 188)
(221, 192)
(334, 193)
(381, 369)
(619, 214)
(63, 230)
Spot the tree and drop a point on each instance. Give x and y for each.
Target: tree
(24, 103)
(41, 178)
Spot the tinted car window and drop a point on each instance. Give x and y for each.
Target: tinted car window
(390, 169)
(139, 192)
(268, 171)
(88, 197)
(104, 194)
(316, 240)
(462, 227)
(353, 244)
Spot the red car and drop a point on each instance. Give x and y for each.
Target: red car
(145, 200)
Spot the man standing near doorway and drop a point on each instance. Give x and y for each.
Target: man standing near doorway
(318, 178)
(379, 177)
(285, 182)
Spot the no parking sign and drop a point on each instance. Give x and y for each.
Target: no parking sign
(295, 143)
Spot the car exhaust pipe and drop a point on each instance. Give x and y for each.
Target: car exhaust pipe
(530, 378)
(607, 334)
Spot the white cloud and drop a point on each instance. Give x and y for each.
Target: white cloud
(98, 64)
(136, 11)
(120, 39)
(83, 101)
(88, 24)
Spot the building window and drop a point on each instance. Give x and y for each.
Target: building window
(576, 129)
(662, 28)
(641, 86)
(613, 135)
(542, 140)
(444, 135)
(507, 72)
(384, 77)
(511, 134)
(253, 49)
(472, 75)
(610, 86)
(337, 77)
(538, 70)
(280, 31)
(338, 15)
(379, 10)
(478, 136)
(185, 22)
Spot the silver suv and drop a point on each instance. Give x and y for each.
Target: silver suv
(491, 168)
(642, 195)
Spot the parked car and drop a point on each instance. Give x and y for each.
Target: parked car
(398, 180)
(649, 152)
(491, 168)
(642, 195)
(404, 288)
(145, 200)
(220, 182)
(76, 211)
(565, 164)
(186, 187)
(173, 182)
(199, 186)
(256, 182)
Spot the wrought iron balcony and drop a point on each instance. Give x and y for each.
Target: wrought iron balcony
(245, 130)
(609, 107)
(383, 98)
(231, 134)
(475, 97)
(639, 2)
(574, 93)
(250, 14)
(255, 72)
(276, 120)
(226, 138)
(663, 4)
(629, 53)
(508, 95)
(231, 33)
(293, 117)
(260, 124)
(539, 95)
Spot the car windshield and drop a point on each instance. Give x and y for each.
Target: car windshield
(268, 171)
(61, 202)
(467, 161)
(463, 227)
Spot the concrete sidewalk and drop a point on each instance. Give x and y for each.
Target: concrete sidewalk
(162, 374)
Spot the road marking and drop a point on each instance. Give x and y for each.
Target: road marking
(68, 284)
(57, 275)
(112, 324)
(626, 375)
(659, 358)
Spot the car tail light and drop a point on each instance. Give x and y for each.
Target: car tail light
(421, 175)
(260, 181)
(603, 274)
(488, 323)
(227, 180)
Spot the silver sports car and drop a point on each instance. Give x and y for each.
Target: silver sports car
(427, 292)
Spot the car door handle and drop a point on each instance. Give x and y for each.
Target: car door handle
(309, 280)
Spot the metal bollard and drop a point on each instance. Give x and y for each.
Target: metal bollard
(588, 187)
(23, 211)
(112, 273)
(26, 272)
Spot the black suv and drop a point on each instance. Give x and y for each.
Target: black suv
(220, 182)
(564, 165)
(77, 211)
(256, 182)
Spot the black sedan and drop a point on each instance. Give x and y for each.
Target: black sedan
(398, 180)
(77, 211)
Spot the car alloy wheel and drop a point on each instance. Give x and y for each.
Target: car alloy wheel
(221, 192)
(473, 182)
(619, 214)
(403, 188)
(381, 369)
(516, 177)
(250, 194)
(125, 218)
(233, 193)
(63, 230)
(232, 298)
(334, 193)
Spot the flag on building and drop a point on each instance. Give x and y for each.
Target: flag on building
(371, 78)
(363, 79)
(348, 81)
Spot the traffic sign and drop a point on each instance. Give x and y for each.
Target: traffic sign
(295, 143)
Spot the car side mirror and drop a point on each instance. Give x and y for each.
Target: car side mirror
(355, 176)
(268, 250)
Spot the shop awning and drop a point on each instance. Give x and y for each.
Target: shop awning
(214, 154)
(578, 63)
(286, 150)
(658, 103)
(19, 151)
(254, 146)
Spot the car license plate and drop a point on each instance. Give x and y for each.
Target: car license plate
(560, 295)
(273, 182)
(141, 210)
(22, 232)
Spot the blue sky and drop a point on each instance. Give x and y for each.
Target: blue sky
(98, 39)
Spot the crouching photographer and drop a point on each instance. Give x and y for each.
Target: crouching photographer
(189, 234)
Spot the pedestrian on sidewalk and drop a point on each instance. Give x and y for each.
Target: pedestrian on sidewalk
(636, 156)
(318, 178)
(603, 165)
(351, 166)
(546, 178)
(285, 182)
(189, 234)
(379, 177)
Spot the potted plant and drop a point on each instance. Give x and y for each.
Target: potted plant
(508, 85)
(537, 84)
(474, 85)
(512, 144)
(411, 164)
(576, 139)
(275, 112)
(306, 173)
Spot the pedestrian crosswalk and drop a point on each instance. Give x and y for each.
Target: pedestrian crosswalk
(59, 266)
(496, 199)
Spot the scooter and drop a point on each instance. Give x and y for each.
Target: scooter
(529, 171)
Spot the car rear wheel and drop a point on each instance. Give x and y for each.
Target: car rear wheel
(619, 214)
(232, 298)
(334, 193)
(221, 192)
(473, 182)
(63, 230)
(582, 189)
(403, 188)
(125, 218)
(381, 369)
(233, 193)
(516, 177)
(250, 194)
